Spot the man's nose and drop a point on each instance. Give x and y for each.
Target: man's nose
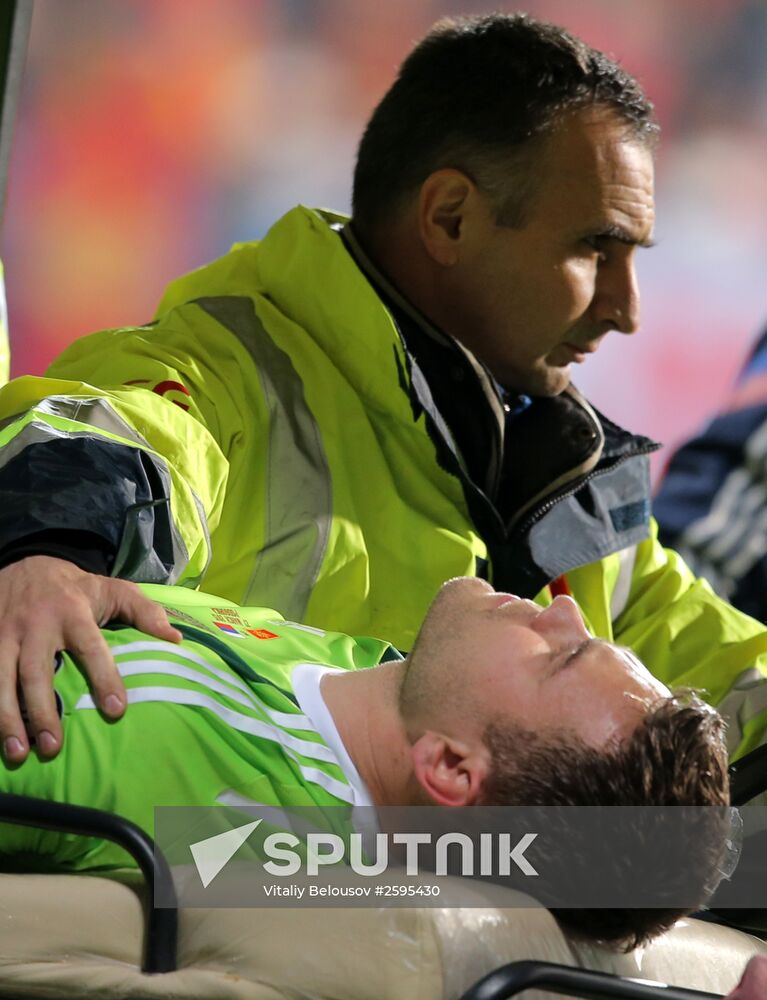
(562, 620)
(616, 297)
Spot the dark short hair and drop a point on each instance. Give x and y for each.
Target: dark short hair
(475, 94)
(677, 756)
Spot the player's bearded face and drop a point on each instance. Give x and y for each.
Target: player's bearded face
(483, 655)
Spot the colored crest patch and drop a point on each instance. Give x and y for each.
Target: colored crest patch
(229, 629)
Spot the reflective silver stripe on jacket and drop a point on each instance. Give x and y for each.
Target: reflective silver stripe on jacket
(98, 413)
(91, 410)
(746, 699)
(299, 497)
(622, 587)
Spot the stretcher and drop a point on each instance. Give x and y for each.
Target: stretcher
(91, 936)
(66, 936)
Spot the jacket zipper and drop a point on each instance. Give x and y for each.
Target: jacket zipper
(524, 526)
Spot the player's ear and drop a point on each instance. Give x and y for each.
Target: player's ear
(442, 202)
(450, 771)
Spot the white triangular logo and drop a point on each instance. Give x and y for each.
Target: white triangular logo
(210, 855)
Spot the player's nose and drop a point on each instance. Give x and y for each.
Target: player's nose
(562, 620)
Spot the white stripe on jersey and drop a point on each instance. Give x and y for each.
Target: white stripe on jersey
(285, 719)
(130, 668)
(145, 646)
(290, 744)
(243, 723)
(330, 784)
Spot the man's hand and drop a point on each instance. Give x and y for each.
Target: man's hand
(47, 605)
(753, 985)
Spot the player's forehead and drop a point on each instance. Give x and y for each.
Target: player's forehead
(624, 665)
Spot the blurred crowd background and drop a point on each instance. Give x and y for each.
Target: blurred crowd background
(152, 134)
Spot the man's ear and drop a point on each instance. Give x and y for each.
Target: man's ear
(450, 771)
(442, 202)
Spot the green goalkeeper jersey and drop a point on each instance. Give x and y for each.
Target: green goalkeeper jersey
(231, 716)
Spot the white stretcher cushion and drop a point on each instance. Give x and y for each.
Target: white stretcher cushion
(67, 936)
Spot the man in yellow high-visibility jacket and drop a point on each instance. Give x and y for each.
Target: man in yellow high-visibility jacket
(338, 418)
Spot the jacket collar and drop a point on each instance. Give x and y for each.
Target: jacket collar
(304, 268)
(492, 390)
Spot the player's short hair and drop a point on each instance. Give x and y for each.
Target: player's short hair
(478, 94)
(677, 756)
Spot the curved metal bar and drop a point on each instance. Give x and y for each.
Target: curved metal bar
(161, 931)
(748, 776)
(15, 19)
(509, 980)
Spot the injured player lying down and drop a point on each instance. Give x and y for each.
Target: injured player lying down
(500, 702)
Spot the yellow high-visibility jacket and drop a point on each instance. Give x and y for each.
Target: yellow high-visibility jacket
(271, 434)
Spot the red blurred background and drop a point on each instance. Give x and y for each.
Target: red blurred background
(153, 134)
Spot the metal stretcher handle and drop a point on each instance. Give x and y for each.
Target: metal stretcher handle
(510, 980)
(748, 776)
(161, 929)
